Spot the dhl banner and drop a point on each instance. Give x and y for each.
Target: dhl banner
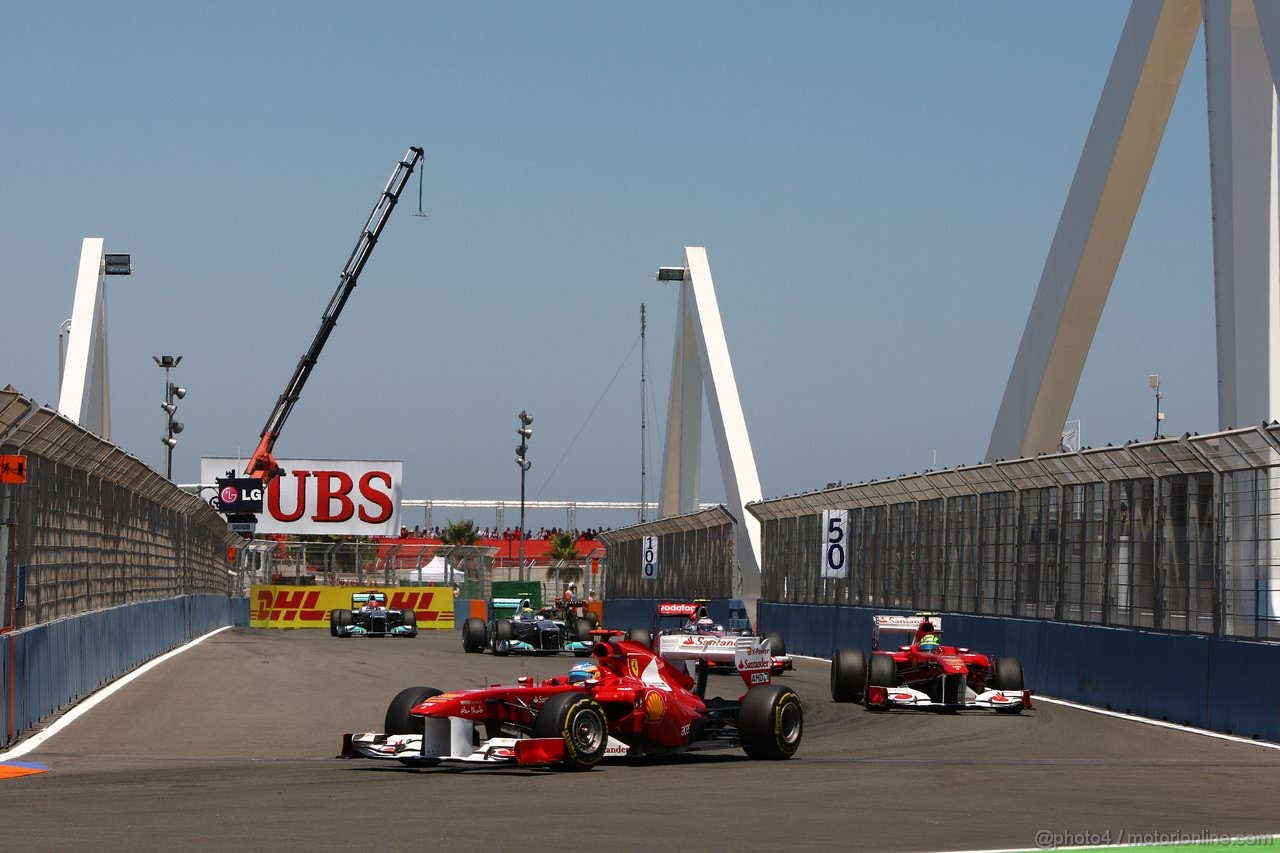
(277, 606)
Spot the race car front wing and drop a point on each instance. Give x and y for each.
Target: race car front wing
(907, 697)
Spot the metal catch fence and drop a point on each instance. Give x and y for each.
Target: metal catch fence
(94, 527)
(1179, 534)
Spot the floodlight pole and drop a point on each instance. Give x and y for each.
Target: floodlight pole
(168, 362)
(525, 432)
(1154, 382)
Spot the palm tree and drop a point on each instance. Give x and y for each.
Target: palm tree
(566, 563)
(462, 532)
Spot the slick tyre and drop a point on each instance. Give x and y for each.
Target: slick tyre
(579, 721)
(771, 722)
(641, 636)
(582, 631)
(410, 620)
(882, 671)
(502, 638)
(777, 647)
(399, 721)
(473, 635)
(1007, 674)
(342, 619)
(333, 623)
(848, 675)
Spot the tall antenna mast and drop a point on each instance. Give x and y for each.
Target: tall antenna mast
(642, 418)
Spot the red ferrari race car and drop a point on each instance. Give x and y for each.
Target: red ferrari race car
(627, 701)
(926, 674)
(692, 620)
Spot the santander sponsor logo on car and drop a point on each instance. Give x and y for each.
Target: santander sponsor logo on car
(325, 496)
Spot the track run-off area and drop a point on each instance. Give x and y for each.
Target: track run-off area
(231, 744)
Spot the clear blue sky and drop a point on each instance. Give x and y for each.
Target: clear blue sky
(877, 185)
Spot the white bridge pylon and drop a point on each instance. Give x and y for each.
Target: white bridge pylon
(1242, 61)
(701, 363)
(84, 394)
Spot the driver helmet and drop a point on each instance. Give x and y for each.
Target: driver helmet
(706, 624)
(931, 643)
(584, 672)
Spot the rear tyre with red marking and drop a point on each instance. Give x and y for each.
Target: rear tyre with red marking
(848, 675)
(771, 722)
(579, 720)
(398, 720)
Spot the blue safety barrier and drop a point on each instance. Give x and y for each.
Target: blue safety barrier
(57, 663)
(1219, 684)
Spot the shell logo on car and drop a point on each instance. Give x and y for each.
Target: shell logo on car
(654, 706)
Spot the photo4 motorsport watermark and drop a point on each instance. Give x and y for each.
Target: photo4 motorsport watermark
(1050, 840)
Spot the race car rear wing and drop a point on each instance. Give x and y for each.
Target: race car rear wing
(901, 625)
(751, 656)
(680, 608)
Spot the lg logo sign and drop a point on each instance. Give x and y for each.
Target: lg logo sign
(326, 496)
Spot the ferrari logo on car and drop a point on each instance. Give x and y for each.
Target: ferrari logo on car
(635, 667)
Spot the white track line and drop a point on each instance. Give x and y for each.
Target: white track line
(1158, 723)
(1035, 697)
(88, 704)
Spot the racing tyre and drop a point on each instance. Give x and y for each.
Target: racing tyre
(398, 721)
(882, 671)
(579, 721)
(410, 620)
(777, 647)
(848, 675)
(771, 722)
(641, 636)
(582, 630)
(473, 635)
(333, 623)
(502, 638)
(342, 619)
(1007, 674)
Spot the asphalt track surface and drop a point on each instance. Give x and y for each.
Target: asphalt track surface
(231, 745)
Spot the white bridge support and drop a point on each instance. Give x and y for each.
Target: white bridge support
(1242, 63)
(701, 363)
(84, 395)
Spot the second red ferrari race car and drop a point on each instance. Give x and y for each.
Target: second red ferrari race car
(628, 701)
(926, 673)
(692, 621)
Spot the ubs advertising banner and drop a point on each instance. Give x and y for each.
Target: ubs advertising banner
(324, 496)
